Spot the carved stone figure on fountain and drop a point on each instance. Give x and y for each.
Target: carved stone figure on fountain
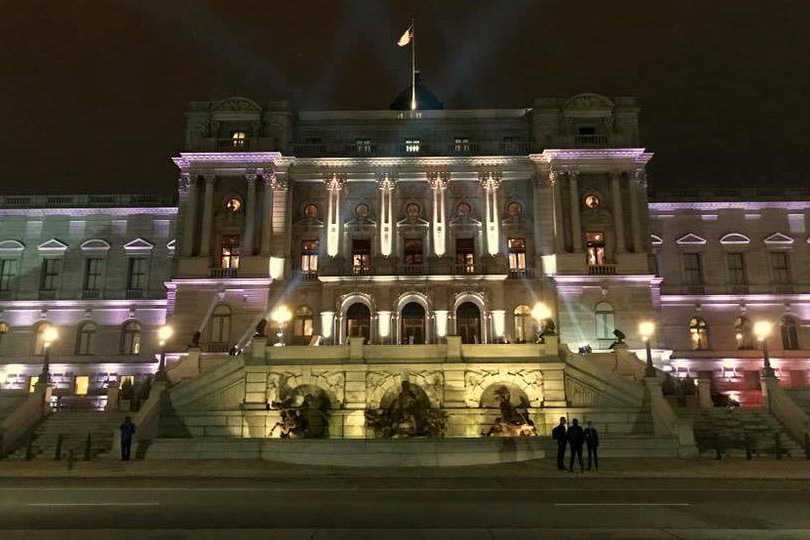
(304, 417)
(514, 420)
(408, 415)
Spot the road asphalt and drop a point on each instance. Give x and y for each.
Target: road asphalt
(577, 506)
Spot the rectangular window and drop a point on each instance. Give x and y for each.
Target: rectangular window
(517, 254)
(595, 245)
(736, 268)
(32, 383)
(309, 256)
(461, 145)
(780, 265)
(50, 274)
(412, 146)
(136, 280)
(82, 384)
(465, 254)
(361, 255)
(413, 251)
(693, 269)
(92, 274)
(604, 325)
(363, 146)
(229, 251)
(8, 273)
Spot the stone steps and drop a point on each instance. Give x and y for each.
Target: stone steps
(74, 427)
(740, 426)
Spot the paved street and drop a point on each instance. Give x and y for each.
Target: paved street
(665, 508)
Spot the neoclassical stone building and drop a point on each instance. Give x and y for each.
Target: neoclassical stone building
(403, 228)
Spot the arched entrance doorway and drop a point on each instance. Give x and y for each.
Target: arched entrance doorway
(412, 324)
(468, 323)
(358, 321)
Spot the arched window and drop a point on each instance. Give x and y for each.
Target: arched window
(39, 338)
(605, 321)
(790, 334)
(358, 321)
(699, 334)
(468, 323)
(412, 321)
(239, 139)
(220, 326)
(303, 323)
(84, 338)
(131, 337)
(744, 333)
(523, 324)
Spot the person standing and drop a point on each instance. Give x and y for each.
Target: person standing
(576, 438)
(559, 435)
(127, 432)
(592, 442)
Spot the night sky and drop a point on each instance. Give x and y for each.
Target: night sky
(93, 92)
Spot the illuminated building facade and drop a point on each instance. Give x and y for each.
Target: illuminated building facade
(404, 228)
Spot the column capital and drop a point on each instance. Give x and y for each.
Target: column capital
(641, 176)
(209, 177)
(251, 176)
(335, 181)
(490, 180)
(437, 178)
(386, 181)
(279, 182)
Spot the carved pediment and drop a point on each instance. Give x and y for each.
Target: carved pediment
(139, 244)
(778, 239)
(734, 238)
(52, 245)
(95, 244)
(691, 239)
(236, 104)
(656, 240)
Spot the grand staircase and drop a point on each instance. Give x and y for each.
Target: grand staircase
(73, 426)
(741, 431)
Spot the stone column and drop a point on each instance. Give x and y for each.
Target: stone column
(438, 183)
(208, 215)
(618, 212)
(334, 184)
(490, 181)
(188, 185)
(250, 215)
(576, 227)
(386, 186)
(559, 231)
(267, 214)
(635, 185)
(280, 187)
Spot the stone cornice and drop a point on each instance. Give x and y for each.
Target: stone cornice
(593, 159)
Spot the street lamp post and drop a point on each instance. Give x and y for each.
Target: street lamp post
(165, 332)
(647, 330)
(762, 329)
(281, 316)
(49, 335)
(541, 313)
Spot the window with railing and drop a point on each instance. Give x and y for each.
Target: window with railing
(744, 333)
(517, 255)
(303, 323)
(780, 267)
(131, 338)
(239, 139)
(8, 274)
(692, 269)
(93, 274)
(362, 146)
(361, 255)
(736, 268)
(465, 255)
(412, 146)
(461, 145)
(229, 251)
(595, 246)
(309, 257)
(136, 279)
(790, 334)
(50, 274)
(84, 338)
(699, 334)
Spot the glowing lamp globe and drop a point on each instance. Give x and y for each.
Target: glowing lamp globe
(49, 335)
(762, 329)
(281, 315)
(541, 312)
(646, 329)
(165, 332)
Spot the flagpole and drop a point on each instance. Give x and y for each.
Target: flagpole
(413, 64)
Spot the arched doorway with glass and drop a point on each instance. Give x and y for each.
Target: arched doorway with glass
(413, 324)
(524, 331)
(358, 321)
(468, 323)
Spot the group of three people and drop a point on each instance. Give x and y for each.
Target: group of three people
(574, 437)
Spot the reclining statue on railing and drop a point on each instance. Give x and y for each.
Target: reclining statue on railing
(513, 421)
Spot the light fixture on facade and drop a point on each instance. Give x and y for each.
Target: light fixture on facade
(647, 329)
(281, 316)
